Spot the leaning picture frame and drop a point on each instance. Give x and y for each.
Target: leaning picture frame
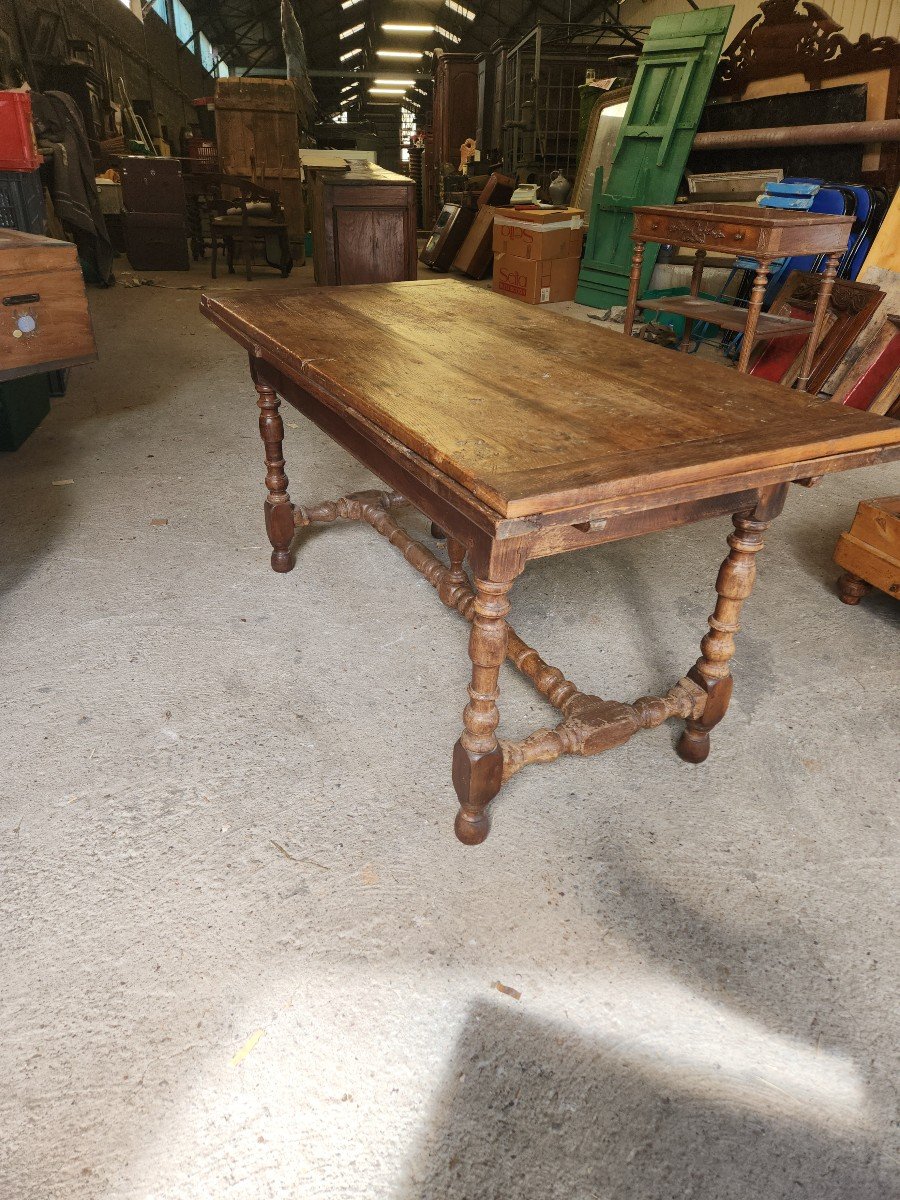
(599, 144)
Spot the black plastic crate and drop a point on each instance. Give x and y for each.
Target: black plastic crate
(22, 201)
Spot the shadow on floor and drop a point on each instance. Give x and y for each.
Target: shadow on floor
(563, 1116)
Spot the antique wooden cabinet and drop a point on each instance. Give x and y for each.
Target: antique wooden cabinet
(455, 105)
(363, 225)
(44, 320)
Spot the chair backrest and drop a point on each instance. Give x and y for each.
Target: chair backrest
(209, 187)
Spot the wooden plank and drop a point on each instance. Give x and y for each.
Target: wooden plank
(531, 411)
(728, 316)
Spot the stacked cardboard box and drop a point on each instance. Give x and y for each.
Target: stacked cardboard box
(537, 253)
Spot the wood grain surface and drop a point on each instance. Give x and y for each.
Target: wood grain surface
(530, 411)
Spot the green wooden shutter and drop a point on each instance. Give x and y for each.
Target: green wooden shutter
(673, 77)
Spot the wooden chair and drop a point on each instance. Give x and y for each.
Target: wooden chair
(243, 221)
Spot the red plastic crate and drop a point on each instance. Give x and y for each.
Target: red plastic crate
(18, 149)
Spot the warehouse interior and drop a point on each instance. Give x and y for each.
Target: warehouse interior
(422, 269)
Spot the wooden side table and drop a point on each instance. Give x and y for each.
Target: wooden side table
(763, 234)
(870, 552)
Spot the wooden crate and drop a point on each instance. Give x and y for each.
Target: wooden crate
(258, 135)
(45, 324)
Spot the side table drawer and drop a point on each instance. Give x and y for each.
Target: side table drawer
(700, 233)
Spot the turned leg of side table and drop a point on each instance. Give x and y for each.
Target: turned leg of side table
(477, 757)
(733, 586)
(821, 310)
(634, 279)
(757, 295)
(278, 508)
(696, 280)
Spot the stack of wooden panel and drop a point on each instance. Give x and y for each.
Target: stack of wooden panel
(258, 136)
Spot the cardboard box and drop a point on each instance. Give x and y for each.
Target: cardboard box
(474, 256)
(536, 280)
(533, 233)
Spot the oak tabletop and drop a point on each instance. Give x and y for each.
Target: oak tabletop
(532, 411)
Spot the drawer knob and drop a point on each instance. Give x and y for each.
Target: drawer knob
(26, 323)
(738, 237)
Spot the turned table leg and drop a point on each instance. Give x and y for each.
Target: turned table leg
(821, 310)
(278, 508)
(456, 552)
(477, 757)
(733, 585)
(634, 279)
(757, 295)
(696, 280)
(851, 588)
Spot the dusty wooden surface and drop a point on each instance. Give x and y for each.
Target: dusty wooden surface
(530, 411)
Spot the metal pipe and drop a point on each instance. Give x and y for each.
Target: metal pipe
(843, 133)
(381, 73)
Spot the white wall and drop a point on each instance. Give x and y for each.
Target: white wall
(876, 17)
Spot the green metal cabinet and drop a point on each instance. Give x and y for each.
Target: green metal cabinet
(667, 97)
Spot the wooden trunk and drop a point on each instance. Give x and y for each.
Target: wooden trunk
(258, 136)
(45, 324)
(363, 224)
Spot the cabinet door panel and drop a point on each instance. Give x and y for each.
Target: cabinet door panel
(371, 244)
(673, 77)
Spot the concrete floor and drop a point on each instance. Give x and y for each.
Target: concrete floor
(243, 954)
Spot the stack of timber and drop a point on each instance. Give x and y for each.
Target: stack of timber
(257, 131)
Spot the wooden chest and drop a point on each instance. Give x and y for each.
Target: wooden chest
(363, 225)
(44, 319)
(870, 552)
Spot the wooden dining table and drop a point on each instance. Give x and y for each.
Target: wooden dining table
(522, 434)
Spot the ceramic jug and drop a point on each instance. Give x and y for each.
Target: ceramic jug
(558, 188)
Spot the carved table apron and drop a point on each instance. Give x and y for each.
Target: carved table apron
(522, 434)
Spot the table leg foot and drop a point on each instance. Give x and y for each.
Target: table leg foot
(712, 670)
(279, 512)
(851, 588)
(477, 756)
(477, 779)
(437, 533)
(693, 745)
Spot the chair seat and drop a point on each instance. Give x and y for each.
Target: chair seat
(237, 222)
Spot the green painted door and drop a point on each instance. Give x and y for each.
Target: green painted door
(667, 97)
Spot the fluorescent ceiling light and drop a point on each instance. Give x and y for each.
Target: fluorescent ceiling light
(459, 8)
(399, 53)
(394, 82)
(350, 86)
(421, 91)
(349, 100)
(377, 91)
(445, 33)
(350, 3)
(350, 53)
(394, 28)
(353, 29)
